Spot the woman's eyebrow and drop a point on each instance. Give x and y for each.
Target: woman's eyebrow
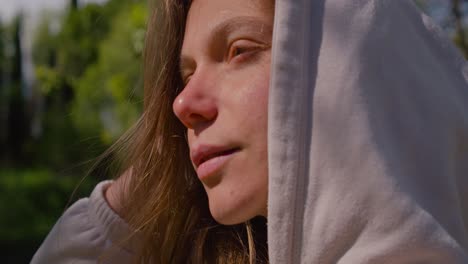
(234, 23)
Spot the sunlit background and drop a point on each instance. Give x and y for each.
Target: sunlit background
(70, 84)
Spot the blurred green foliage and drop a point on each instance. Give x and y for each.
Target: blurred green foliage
(89, 71)
(31, 200)
(87, 92)
(109, 93)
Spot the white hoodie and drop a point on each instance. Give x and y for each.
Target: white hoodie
(368, 144)
(368, 136)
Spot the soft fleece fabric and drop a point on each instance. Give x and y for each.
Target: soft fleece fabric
(368, 144)
(368, 136)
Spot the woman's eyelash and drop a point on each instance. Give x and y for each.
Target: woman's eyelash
(237, 50)
(185, 75)
(186, 79)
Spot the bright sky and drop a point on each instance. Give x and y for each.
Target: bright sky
(8, 8)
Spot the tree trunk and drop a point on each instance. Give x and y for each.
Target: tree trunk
(74, 5)
(460, 31)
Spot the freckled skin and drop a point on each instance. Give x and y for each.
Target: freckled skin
(225, 100)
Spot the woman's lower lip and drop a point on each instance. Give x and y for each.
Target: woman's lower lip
(211, 166)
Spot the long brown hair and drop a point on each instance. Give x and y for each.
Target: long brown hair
(166, 204)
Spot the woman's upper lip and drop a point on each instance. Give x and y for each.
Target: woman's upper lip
(202, 153)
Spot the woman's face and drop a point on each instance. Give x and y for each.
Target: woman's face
(225, 63)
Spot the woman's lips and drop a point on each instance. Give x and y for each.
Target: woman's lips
(213, 163)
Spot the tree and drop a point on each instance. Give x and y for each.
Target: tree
(3, 96)
(58, 133)
(74, 4)
(108, 98)
(86, 76)
(17, 117)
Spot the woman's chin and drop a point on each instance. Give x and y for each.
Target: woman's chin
(232, 212)
(229, 215)
(238, 198)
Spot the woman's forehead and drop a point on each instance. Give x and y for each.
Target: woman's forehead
(207, 16)
(219, 9)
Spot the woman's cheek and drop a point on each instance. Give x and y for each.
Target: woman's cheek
(258, 90)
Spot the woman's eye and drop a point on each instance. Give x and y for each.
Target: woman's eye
(185, 76)
(186, 79)
(238, 51)
(242, 49)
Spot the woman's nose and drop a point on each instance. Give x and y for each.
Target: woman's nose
(195, 105)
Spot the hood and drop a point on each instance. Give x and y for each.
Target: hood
(367, 137)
